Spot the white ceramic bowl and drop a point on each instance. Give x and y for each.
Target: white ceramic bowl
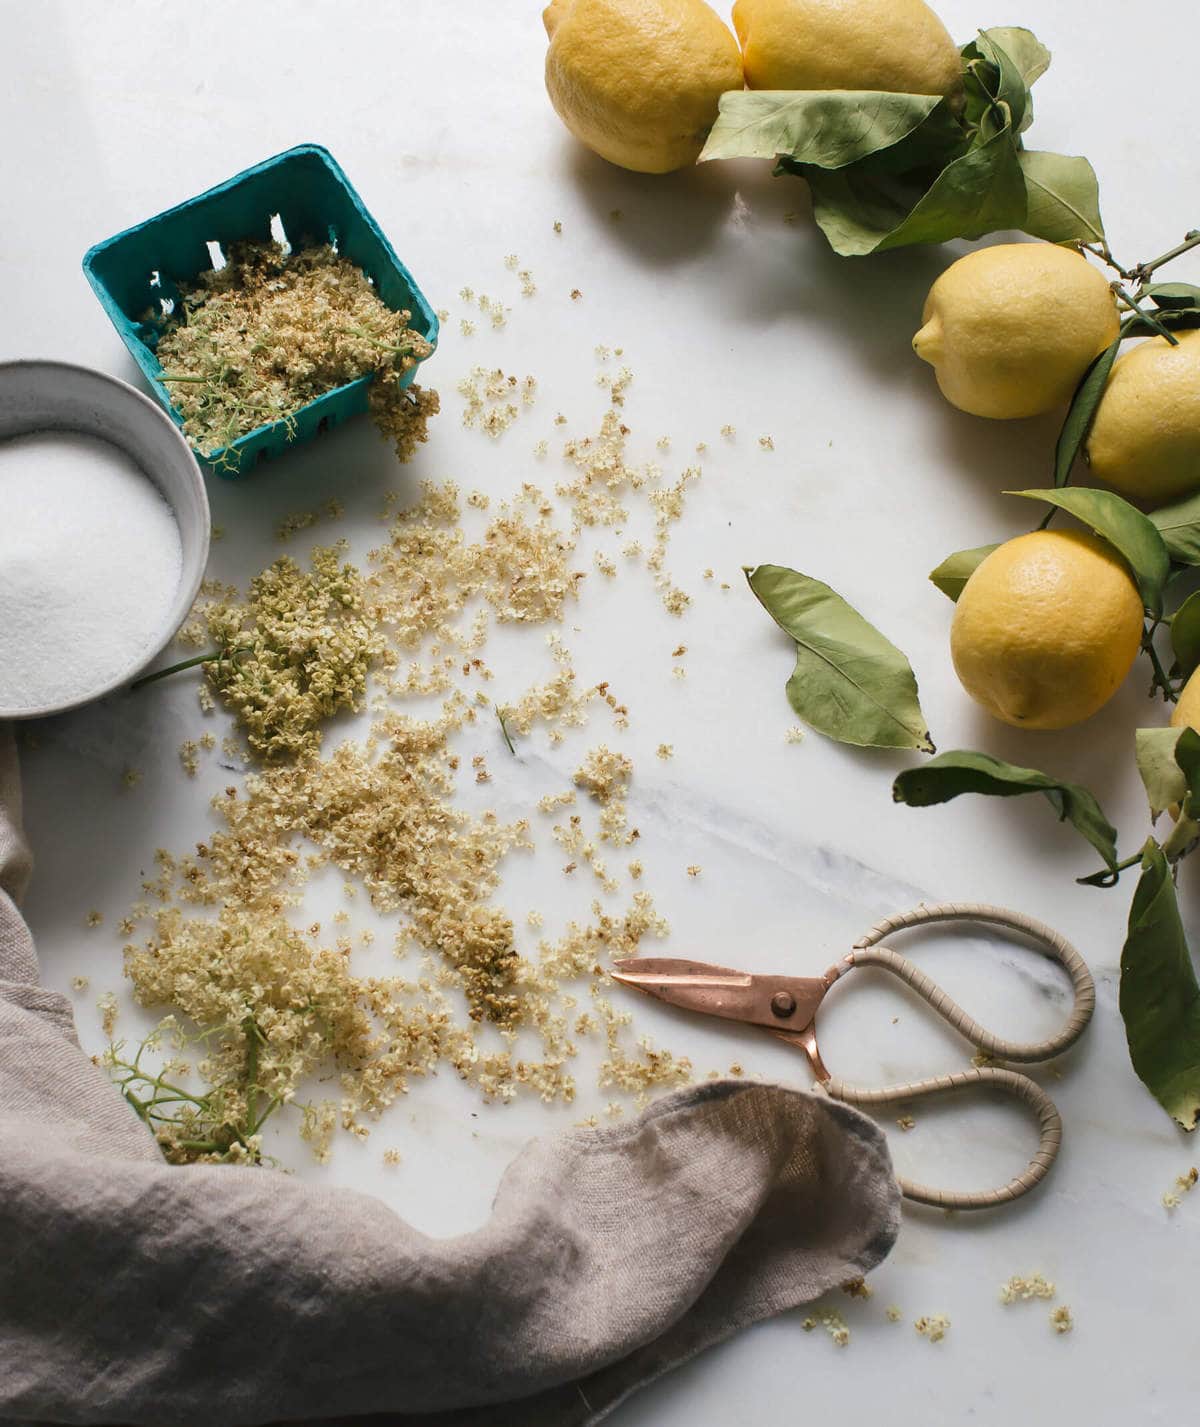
(59, 396)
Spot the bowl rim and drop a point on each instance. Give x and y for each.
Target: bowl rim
(189, 588)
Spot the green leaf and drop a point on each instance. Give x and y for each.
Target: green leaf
(1182, 839)
(979, 192)
(962, 771)
(955, 570)
(1063, 197)
(1173, 295)
(1023, 48)
(1179, 526)
(1009, 88)
(1160, 998)
(849, 682)
(1185, 635)
(1187, 755)
(1124, 527)
(1078, 421)
(1161, 776)
(830, 128)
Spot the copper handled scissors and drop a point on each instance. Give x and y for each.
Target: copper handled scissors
(787, 1006)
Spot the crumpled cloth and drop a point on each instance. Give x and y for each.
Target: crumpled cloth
(136, 1293)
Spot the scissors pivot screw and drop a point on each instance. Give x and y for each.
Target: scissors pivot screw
(783, 1003)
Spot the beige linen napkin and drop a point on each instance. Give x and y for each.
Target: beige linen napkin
(136, 1293)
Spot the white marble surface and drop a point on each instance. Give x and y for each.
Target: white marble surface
(727, 313)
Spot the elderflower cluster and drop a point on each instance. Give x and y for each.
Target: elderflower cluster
(254, 341)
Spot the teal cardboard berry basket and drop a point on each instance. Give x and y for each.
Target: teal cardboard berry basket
(303, 193)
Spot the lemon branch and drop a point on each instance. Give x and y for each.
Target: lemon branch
(1161, 683)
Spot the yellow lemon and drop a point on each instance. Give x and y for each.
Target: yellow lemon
(1009, 330)
(1186, 713)
(1046, 628)
(638, 81)
(1145, 437)
(898, 45)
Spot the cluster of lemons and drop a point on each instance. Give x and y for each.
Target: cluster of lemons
(638, 81)
(1049, 624)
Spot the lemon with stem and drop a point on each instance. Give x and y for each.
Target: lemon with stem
(1047, 628)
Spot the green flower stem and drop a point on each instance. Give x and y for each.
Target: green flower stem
(213, 656)
(504, 729)
(253, 1036)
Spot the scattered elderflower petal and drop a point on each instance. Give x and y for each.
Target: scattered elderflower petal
(109, 1010)
(1062, 1319)
(1018, 1288)
(833, 1323)
(933, 1327)
(1184, 1184)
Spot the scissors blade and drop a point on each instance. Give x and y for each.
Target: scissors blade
(777, 1002)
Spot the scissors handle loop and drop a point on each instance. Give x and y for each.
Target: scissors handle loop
(1009, 1081)
(868, 952)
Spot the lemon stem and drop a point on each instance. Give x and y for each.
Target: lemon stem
(1161, 680)
(1144, 270)
(1148, 318)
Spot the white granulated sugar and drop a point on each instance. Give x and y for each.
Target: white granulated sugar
(89, 565)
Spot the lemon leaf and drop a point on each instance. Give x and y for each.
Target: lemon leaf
(955, 570)
(1023, 48)
(1063, 197)
(849, 683)
(1078, 420)
(979, 192)
(1001, 80)
(1179, 526)
(1161, 776)
(1159, 996)
(1125, 528)
(1174, 296)
(829, 128)
(963, 771)
(1185, 635)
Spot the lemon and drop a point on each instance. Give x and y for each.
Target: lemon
(898, 45)
(1046, 628)
(1009, 330)
(1186, 713)
(638, 81)
(1145, 437)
